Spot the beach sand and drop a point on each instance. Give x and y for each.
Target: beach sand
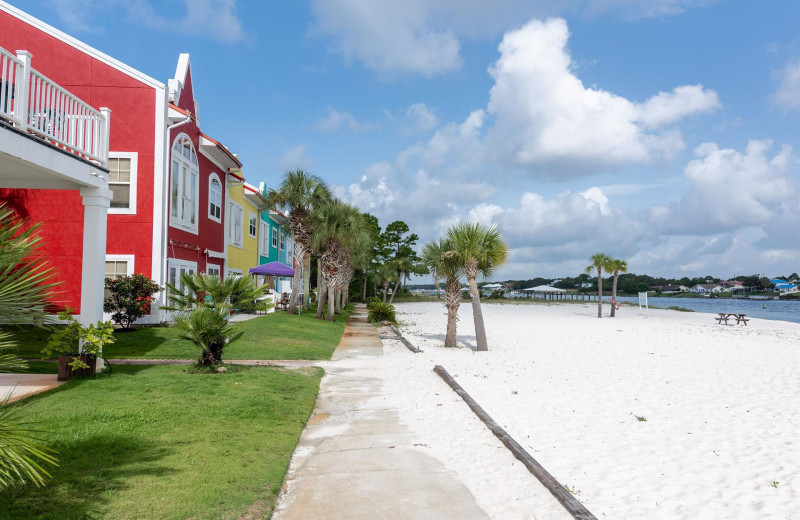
(720, 403)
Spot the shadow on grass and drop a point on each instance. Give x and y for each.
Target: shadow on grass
(92, 470)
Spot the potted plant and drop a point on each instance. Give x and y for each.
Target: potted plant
(74, 358)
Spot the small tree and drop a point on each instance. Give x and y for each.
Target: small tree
(130, 298)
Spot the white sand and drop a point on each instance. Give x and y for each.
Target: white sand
(721, 404)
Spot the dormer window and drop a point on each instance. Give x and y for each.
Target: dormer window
(214, 198)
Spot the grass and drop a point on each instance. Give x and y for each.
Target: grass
(274, 336)
(159, 442)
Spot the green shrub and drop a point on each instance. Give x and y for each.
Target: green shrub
(373, 299)
(379, 311)
(129, 298)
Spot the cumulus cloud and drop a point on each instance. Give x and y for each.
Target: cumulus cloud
(544, 114)
(787, 96)
(421, 118)
(424, 36)
(295, 158)
(215, 19)
(730, 190)
(668, 107)
(336, 119)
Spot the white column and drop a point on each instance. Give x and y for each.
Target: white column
(96, 202)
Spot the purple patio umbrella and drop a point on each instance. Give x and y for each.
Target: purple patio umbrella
(273, 269)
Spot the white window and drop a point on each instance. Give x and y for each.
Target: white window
(253, 228)
(263, 243)
(274, 238)
(283, 241)
(214, 198)
(236, 273)
(213, 270)
(175, 268)
(116, 266)
(122, 168)
(235, 224)
(184, 185)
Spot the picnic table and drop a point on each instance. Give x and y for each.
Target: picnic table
(725, 316)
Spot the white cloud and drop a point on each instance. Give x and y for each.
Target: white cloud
(388, 37)
(295, 158)
(788, 94)
(730, 190)
(424, 36)
(668, 107)
(337, 119)
(215, 19)
(421, 118)
(545, 115)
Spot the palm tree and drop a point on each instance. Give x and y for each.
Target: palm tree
(480, 250)
(599, 262)
(207, 327)
(300, 192)
(231, 291)
(337, 233)
(25, 285)
(444, 265)
(616, 266)
(385, 274)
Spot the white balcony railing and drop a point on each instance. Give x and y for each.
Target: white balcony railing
(33, 102)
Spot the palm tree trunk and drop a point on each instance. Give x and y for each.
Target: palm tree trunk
(297, 281)
(322, 297)
(394, 291)
(477, 315)
(306, 279)
(331, 301)
(599, 293)
(452, 301)
(385, 289)
(364, 289)
(320, 289)
(614, 295)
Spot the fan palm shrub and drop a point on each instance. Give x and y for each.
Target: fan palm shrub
(480, 250)
(380, 312)
(25, 285)
(208, 328)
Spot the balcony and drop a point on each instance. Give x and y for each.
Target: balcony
(51, 139)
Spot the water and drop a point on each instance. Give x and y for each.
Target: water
(785, 310)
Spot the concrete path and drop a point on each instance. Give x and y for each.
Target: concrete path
(356, 460)
(24, 385)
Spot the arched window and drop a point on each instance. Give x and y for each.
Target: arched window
(214, 198)
(184, 173)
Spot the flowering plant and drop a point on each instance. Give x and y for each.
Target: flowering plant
(129, 298)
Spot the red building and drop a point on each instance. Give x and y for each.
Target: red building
(168, 179)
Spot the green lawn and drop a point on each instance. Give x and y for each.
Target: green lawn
(274, 336)
(158, 442)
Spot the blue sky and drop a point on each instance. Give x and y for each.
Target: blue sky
(662, 132)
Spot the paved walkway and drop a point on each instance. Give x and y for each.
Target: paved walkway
(24, 385)
(355, 459)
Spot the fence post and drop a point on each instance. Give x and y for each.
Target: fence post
(23, 80)
(104, 141)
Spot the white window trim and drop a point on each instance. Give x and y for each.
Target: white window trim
(234, 272)
(263, 240)
(251, 216)
(177, 263)
(176, 222)
(283, 241)
(274, 240)
(212, 178)
(231, 221)
(134, 157)
(210, 265)
(123, 258)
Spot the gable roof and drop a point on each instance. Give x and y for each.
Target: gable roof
(79, 45)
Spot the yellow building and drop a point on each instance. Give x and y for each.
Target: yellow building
(245, 205)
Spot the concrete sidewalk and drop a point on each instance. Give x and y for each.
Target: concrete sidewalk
(24, 385)
(355, 459)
